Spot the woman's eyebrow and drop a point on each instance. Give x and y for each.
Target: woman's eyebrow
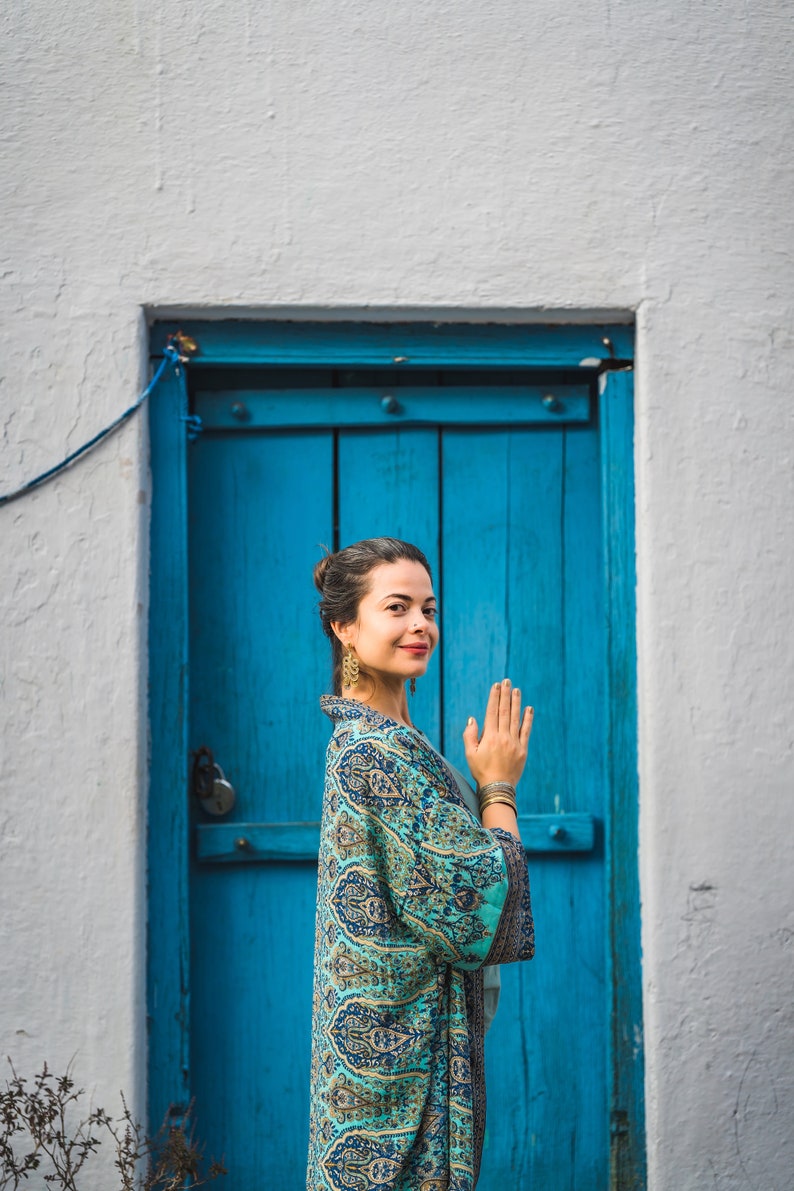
(396, 595)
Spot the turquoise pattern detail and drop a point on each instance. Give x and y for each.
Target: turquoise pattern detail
(360, 908)
(414, 898)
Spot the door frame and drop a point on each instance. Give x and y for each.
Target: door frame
(604, 355)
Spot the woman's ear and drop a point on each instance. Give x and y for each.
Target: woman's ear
(342, 631)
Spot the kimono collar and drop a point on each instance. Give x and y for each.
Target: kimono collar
(341, 710)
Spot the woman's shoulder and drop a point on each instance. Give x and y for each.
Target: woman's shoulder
(370, 743)
(356, 723)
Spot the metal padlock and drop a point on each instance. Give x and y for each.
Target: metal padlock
(221, 797)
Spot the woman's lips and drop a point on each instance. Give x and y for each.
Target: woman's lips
(414, 648)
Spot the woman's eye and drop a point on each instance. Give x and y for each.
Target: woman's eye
(396, 607)
(431, 613)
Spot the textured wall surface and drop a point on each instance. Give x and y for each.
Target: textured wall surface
(603, 155)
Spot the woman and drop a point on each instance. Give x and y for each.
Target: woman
(415, 894)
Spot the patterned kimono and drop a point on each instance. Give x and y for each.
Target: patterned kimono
(414, 897)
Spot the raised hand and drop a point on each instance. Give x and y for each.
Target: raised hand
(499, 755)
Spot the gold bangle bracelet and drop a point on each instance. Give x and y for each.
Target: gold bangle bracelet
(494, 787)
(498, 799)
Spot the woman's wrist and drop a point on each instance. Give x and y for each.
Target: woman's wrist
(501, 816)
(497, 775)
(502, 793)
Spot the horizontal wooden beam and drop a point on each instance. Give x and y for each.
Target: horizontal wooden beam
(410, 345)
(417, 405)
(246, 843)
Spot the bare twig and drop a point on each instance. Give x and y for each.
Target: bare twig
(38, 1132)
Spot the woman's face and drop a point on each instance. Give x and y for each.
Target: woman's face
(396, 630)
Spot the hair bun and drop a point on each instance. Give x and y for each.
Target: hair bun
(320, 571)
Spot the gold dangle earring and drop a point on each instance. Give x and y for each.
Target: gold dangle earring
(349, 668)
(412, 686)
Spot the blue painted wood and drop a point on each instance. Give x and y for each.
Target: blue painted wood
(168, 997)
(387, 405)
(628, 1165)
(522, 571)
(250, 1049)
(388, 485)
(259, 506)
(255, 843)
(585, 1068)
(409, 345)
(260, 509)
(502, 579)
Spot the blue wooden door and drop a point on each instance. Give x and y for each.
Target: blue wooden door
(501, 479)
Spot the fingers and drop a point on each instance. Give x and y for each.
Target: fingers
(471, 741)
(505, 703)
(509, 719)
(500, 753)
(526, 725)
(470, 734)
(491, 723)
(503, 714)
(515, 712)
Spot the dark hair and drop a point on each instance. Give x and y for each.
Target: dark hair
(342, 581)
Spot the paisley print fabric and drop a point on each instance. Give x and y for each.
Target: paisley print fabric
(414, 897)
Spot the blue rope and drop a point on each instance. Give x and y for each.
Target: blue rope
(170, 356)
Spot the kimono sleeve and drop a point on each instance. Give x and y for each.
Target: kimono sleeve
(460, 889)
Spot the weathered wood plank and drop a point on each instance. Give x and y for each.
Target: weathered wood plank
(388, 406)
(583, 1065)
(627, 1111)
(261, 507)
(503, 589)
(257, 842)
(261, 510)
(384, 344)
(389, 487)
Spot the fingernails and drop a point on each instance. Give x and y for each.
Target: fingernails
(470, 721)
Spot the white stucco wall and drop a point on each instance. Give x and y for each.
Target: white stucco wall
(604, 155)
